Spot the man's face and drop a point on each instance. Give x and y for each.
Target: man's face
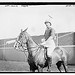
(48, 24)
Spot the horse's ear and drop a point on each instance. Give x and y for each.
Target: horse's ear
(25, 29)
(21, 30)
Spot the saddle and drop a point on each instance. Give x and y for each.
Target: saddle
(45, 51)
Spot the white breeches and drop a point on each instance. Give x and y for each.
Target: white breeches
(50, 44)
(51, 48)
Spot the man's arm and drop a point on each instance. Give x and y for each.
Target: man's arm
(53, 34)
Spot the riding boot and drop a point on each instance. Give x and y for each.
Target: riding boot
(46, 53)
(49, 63)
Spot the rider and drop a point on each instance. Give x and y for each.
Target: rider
(48, 40)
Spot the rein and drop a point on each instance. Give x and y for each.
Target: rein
(25, 50)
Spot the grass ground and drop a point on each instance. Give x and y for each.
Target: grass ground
(12, 66)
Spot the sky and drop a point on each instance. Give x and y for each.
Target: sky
(13, 19)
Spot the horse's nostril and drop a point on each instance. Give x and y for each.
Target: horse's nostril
(15, 46)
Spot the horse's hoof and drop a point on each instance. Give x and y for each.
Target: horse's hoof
(49, 70)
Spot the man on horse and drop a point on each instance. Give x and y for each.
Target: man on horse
(48, 40)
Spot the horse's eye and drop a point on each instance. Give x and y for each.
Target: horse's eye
(21, 36)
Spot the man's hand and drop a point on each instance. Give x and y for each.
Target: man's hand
(43, 40)
(55, 38)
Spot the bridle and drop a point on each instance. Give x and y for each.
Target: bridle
(25, 49)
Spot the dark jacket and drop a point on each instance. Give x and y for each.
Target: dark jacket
(49, 32)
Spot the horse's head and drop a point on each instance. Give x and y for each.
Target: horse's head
(21, 40)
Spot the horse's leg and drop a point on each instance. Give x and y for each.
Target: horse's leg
(59, 68)
(64, 65)
(59, 65)
(40, 69)
(31, 69)
(49, 63)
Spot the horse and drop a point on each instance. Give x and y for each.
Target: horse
(60, 57)
(37, 55)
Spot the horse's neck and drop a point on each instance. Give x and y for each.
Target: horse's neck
(32, 47)
(31, 43)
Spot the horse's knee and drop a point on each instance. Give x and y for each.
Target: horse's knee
(59, 63)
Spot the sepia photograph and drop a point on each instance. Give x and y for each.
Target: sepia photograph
(37, 38)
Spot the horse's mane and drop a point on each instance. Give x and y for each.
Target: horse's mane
(31, 38)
